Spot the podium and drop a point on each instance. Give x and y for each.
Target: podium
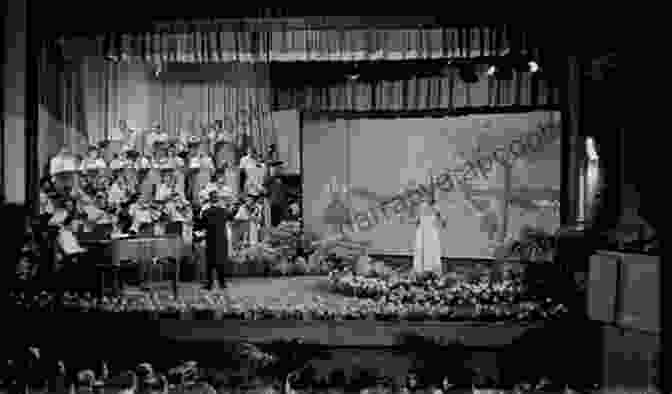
(624, 289)
(624, 297)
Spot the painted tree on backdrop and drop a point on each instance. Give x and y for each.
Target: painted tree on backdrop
(493, 203)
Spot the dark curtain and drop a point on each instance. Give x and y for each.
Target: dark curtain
(50, 85)
(207, 41)
(381, 90)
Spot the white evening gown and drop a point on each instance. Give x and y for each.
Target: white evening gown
(427, 255)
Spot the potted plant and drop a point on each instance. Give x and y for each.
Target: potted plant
(534, 244)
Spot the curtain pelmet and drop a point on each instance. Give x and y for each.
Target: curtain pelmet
(419, 93)
(219, 42)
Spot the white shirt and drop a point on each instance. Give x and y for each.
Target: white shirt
(93, 164)
(143, 163)
(46, 206)
(225, 136)
(131, 140)
(247, 162)
(163, 192)
(116, 194)
(206, 162)
(140, 214)
(69, 243)
(63, 163)
(117, 134)
(116, 164)
(195, 162)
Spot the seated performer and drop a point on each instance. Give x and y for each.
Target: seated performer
(116, 163)
(178, 164)
(142, 215)
(218, 185)
(203, 173)
(134, 140)
(130, 173)
(224, 144)
(149, 177)
(154, 135)
(70, 275)
(232, 176)
(255, 207)
(165, 189)
(119, 138)
(143, 163)
(93, 162)
(249, 160)
(117, 193)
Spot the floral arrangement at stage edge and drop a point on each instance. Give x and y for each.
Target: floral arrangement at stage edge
(533, 244)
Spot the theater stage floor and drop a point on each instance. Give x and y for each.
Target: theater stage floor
(301, 290)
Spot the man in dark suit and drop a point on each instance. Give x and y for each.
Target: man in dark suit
(277, 194)
(215, 218)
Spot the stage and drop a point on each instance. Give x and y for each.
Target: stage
(490, 346)
(302, 290)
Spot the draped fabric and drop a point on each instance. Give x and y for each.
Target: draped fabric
(246, 42)
(421, 93)
(96, 94)
(51, 86)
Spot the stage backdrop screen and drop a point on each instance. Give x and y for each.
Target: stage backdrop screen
(376, 158)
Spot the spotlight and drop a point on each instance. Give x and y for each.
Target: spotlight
(467, 73)
(501, 72)
(524, 65)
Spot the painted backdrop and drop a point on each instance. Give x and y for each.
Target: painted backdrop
(377, 157)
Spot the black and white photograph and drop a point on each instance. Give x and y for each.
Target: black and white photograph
(255, 200)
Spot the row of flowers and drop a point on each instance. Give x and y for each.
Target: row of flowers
(432, 289)
(215, 307)
(484, 296)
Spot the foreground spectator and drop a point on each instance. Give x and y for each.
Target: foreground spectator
(85, 382)
(125, 383)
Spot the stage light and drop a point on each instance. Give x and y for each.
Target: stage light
(158, 69)
(467, 73)
(534, 66)
(501, 72)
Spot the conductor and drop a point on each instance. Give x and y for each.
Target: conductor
(215, 217)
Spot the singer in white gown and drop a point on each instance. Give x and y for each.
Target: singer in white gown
(427, 256)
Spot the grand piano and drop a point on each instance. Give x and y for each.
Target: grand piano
(147, 258)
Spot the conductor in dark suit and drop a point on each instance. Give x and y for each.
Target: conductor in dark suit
(276, 193)
(215, 217)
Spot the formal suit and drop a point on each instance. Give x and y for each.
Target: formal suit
(277, 196)
(215, 220)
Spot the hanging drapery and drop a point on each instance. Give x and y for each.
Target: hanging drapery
(96, 94)
(188, 105)
(226, 42)
(51, 133)
(420, 93)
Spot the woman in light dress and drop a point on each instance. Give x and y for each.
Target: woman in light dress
(427, 255)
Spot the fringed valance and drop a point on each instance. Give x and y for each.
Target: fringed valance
(420, 93)
(215, 42)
